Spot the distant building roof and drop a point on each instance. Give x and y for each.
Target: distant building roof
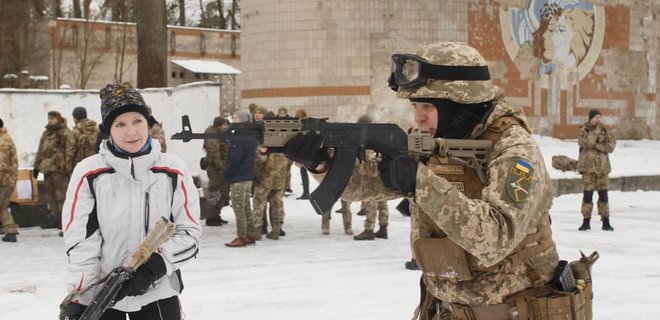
(206, 66)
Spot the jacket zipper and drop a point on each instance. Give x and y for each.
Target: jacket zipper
(146, 213)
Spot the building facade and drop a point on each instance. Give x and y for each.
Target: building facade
(558, 59)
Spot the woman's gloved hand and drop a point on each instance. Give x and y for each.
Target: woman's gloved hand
(144, 277)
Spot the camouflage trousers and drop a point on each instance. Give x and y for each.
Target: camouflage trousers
(374, 208)
(5, 216)
(55, 184)
(599, 183)
(262, 197)
(346, 215)
(240, 202)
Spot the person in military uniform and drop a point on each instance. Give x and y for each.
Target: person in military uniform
(346, 216)
(82, 140)
(594, 165)
(156, 131)
(217, 192)
(479, 243)
(51, 161)
(375, 210)
(8, 173)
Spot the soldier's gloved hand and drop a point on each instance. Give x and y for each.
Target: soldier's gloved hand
(307, 148)
(397, 170)
(144, 277)
(35, 172)
(74, 311)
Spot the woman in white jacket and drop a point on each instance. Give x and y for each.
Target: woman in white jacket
(114, 198)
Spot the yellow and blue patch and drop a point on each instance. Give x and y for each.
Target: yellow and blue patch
(519, 182)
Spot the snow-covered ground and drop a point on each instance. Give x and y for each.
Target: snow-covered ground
(306, 275)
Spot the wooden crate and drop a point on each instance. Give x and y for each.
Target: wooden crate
(26, 191)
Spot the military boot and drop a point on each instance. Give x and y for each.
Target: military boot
(382, 232)
(274, 233)
(362, 212)
(365, 235)
(235, 243)
(606, 225)
(411, 265)
(585, 225)
(10, 237)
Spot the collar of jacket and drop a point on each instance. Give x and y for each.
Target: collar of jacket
(132, 168)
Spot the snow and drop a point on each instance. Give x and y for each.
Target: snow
(307, 275)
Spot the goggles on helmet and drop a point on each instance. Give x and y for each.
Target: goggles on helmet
(412, 71)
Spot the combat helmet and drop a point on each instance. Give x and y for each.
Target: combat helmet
(443, 70)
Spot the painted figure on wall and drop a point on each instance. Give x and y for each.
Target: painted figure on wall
(560, 33)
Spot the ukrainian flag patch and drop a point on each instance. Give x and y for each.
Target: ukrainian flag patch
(519, 182)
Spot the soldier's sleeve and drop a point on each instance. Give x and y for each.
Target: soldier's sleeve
(71, 146)
(586, 140)
(213, 152)
(608, 145)
(37, 159)
(517, 193)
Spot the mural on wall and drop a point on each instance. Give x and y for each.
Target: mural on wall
(564, 34)
(554, 44)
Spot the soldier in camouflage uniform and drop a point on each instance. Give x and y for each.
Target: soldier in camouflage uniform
(51, 161)
(594, 164)
(346, 216)
(479, 244)
(82, 140)
(8, 172)
(218, 190)
(271, 171)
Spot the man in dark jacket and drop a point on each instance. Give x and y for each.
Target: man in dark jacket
(239, 173)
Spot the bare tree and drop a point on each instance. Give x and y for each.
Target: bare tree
(233, 15)
(152, 43)
(182, 13)
(77, 11)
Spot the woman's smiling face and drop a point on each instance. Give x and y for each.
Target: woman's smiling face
(129, 131)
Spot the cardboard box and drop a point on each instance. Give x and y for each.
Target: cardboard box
(26, 191)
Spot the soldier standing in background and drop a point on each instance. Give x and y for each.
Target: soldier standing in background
(479, 243)
(594, 164)
(218, 189)
(283, 113)
(51, 161)
(271, 170)
(82, 140)
(302, 114)
(8, 173)
(239, 173)
(346, 216)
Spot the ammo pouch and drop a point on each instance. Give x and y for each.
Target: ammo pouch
(442, 258)
(549, 303)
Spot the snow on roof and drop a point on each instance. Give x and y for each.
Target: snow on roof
(206, 66)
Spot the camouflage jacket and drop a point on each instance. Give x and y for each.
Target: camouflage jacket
(216, 151)
(595, 144)
(490, 221)
(8, 159)
(271, 170)
(157, 132)
(81, 143)
(51, 155)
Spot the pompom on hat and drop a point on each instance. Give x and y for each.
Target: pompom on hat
(120, 98)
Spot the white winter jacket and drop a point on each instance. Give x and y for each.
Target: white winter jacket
(112, 202)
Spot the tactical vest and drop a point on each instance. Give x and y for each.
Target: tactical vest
(447, 259)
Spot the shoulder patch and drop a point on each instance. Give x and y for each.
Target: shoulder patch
(519, 181)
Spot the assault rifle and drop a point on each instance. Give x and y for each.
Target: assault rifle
(349, 140)
(113, 282)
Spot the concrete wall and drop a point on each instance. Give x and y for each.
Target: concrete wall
(332, 57)
(24, 113)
